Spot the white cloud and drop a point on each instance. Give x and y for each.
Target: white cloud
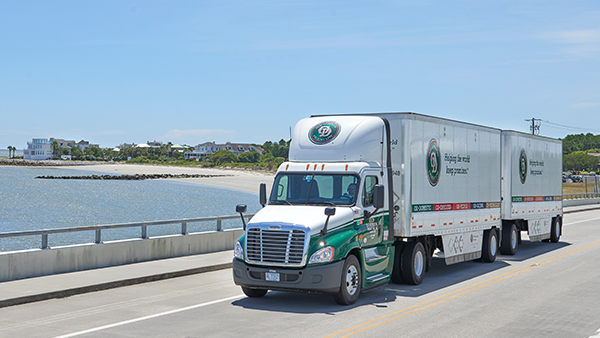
(583, 43)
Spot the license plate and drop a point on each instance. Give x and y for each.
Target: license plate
(272, 276)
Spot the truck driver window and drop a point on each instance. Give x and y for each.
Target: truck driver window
(367, 197)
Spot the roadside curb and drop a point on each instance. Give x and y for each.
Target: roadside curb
(110, 285)
(582, 210)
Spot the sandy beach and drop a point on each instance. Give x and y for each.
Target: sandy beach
(245, 180)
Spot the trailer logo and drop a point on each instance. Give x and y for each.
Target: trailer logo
(523, 166)
(433, 163)
(324, 132)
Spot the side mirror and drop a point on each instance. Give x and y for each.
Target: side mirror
(263, 194)
(329, 211)
(241, 208)
(378, 196)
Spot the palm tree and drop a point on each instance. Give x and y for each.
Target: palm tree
(9, 149)
(14, 151)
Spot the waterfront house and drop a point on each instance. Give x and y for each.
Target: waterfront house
(208, 148)
(38, 149)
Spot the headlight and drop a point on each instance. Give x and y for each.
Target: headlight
(322, 255)
(238, 252)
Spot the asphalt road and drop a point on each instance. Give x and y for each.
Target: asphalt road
(545, 290)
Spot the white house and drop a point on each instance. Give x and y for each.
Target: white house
(209, 148)
(38, 149)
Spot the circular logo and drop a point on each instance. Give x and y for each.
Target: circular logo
(523, 166)
(324, 132)
(433, 163)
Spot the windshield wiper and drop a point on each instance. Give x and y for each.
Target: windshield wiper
(280, 202)
(321, 202)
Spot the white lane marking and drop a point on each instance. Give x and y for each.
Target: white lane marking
(596, 335)
(587, 220)
(100, 328)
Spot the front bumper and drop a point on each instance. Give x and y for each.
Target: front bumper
(323, 278)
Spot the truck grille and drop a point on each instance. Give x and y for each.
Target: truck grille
(285, 247)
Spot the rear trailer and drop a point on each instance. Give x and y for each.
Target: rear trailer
(531, 189)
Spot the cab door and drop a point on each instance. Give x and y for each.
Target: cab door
(376, 247)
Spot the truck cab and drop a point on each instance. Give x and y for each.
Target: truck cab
(325, 225)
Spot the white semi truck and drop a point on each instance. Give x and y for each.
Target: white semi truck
(365, 199)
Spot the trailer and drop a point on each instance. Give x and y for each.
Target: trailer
(531, 189)
(370, 198)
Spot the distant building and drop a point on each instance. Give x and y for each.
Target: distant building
(83, 145)
(209, 148)
(154, 143)
(38, 149)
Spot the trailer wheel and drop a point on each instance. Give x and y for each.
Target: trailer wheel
(510, 239)
(254, 293)
(490, 246)
(350, 286)
(413, 263)
(397, 269)
(556, 229)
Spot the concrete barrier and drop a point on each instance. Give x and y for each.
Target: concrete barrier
(580, 201)
(37, 262)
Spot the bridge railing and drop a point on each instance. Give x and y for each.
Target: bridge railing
(142, 225)
(581, 196)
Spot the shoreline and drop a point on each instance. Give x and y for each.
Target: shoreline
(244, 180)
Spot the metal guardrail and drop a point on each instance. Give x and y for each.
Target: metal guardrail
(581, 196)
(98, 228)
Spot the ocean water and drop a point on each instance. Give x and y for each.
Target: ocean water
(27, 203)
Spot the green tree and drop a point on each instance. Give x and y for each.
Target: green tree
(55, 150)
(249, 157)
(222, 156)
(579, 161)
(76, 153)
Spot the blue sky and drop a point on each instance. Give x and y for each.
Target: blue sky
(245, 71)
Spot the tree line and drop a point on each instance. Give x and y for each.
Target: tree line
(576, 150)
(273, 154)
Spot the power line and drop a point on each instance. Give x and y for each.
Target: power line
(536, 123)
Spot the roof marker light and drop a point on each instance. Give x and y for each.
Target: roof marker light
(323, 167)
(287, 166)
(307, 166)
(346, 167)
(315, 168)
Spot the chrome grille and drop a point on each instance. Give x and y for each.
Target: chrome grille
(285, 247)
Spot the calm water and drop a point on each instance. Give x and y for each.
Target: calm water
(30, 204)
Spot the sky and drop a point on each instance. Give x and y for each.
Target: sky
(188, 72)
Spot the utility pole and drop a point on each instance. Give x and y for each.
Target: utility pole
(535, 126)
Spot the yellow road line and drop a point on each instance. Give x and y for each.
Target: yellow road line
(456, 293)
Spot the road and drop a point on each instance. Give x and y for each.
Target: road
(545, 290)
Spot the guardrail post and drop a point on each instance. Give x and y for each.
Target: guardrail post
(183, 228)
(219, 225)
(98, 236)
(144, 232)
(44, 241)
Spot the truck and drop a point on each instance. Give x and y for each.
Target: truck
(366, 199)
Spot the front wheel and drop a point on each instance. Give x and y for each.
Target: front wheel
(254, 293)
(350, 286)
(556, 230)
(490, 246)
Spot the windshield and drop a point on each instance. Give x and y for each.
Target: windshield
(324, 189)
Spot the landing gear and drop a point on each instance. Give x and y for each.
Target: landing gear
(351, 279)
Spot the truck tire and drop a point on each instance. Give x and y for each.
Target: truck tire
(397, 269)
(489, 248)
(413, 263)
(351, 282)
(254, 293)
(510, 239)
(556, 229)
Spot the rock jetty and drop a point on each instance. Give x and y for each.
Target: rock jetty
(136, 177)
